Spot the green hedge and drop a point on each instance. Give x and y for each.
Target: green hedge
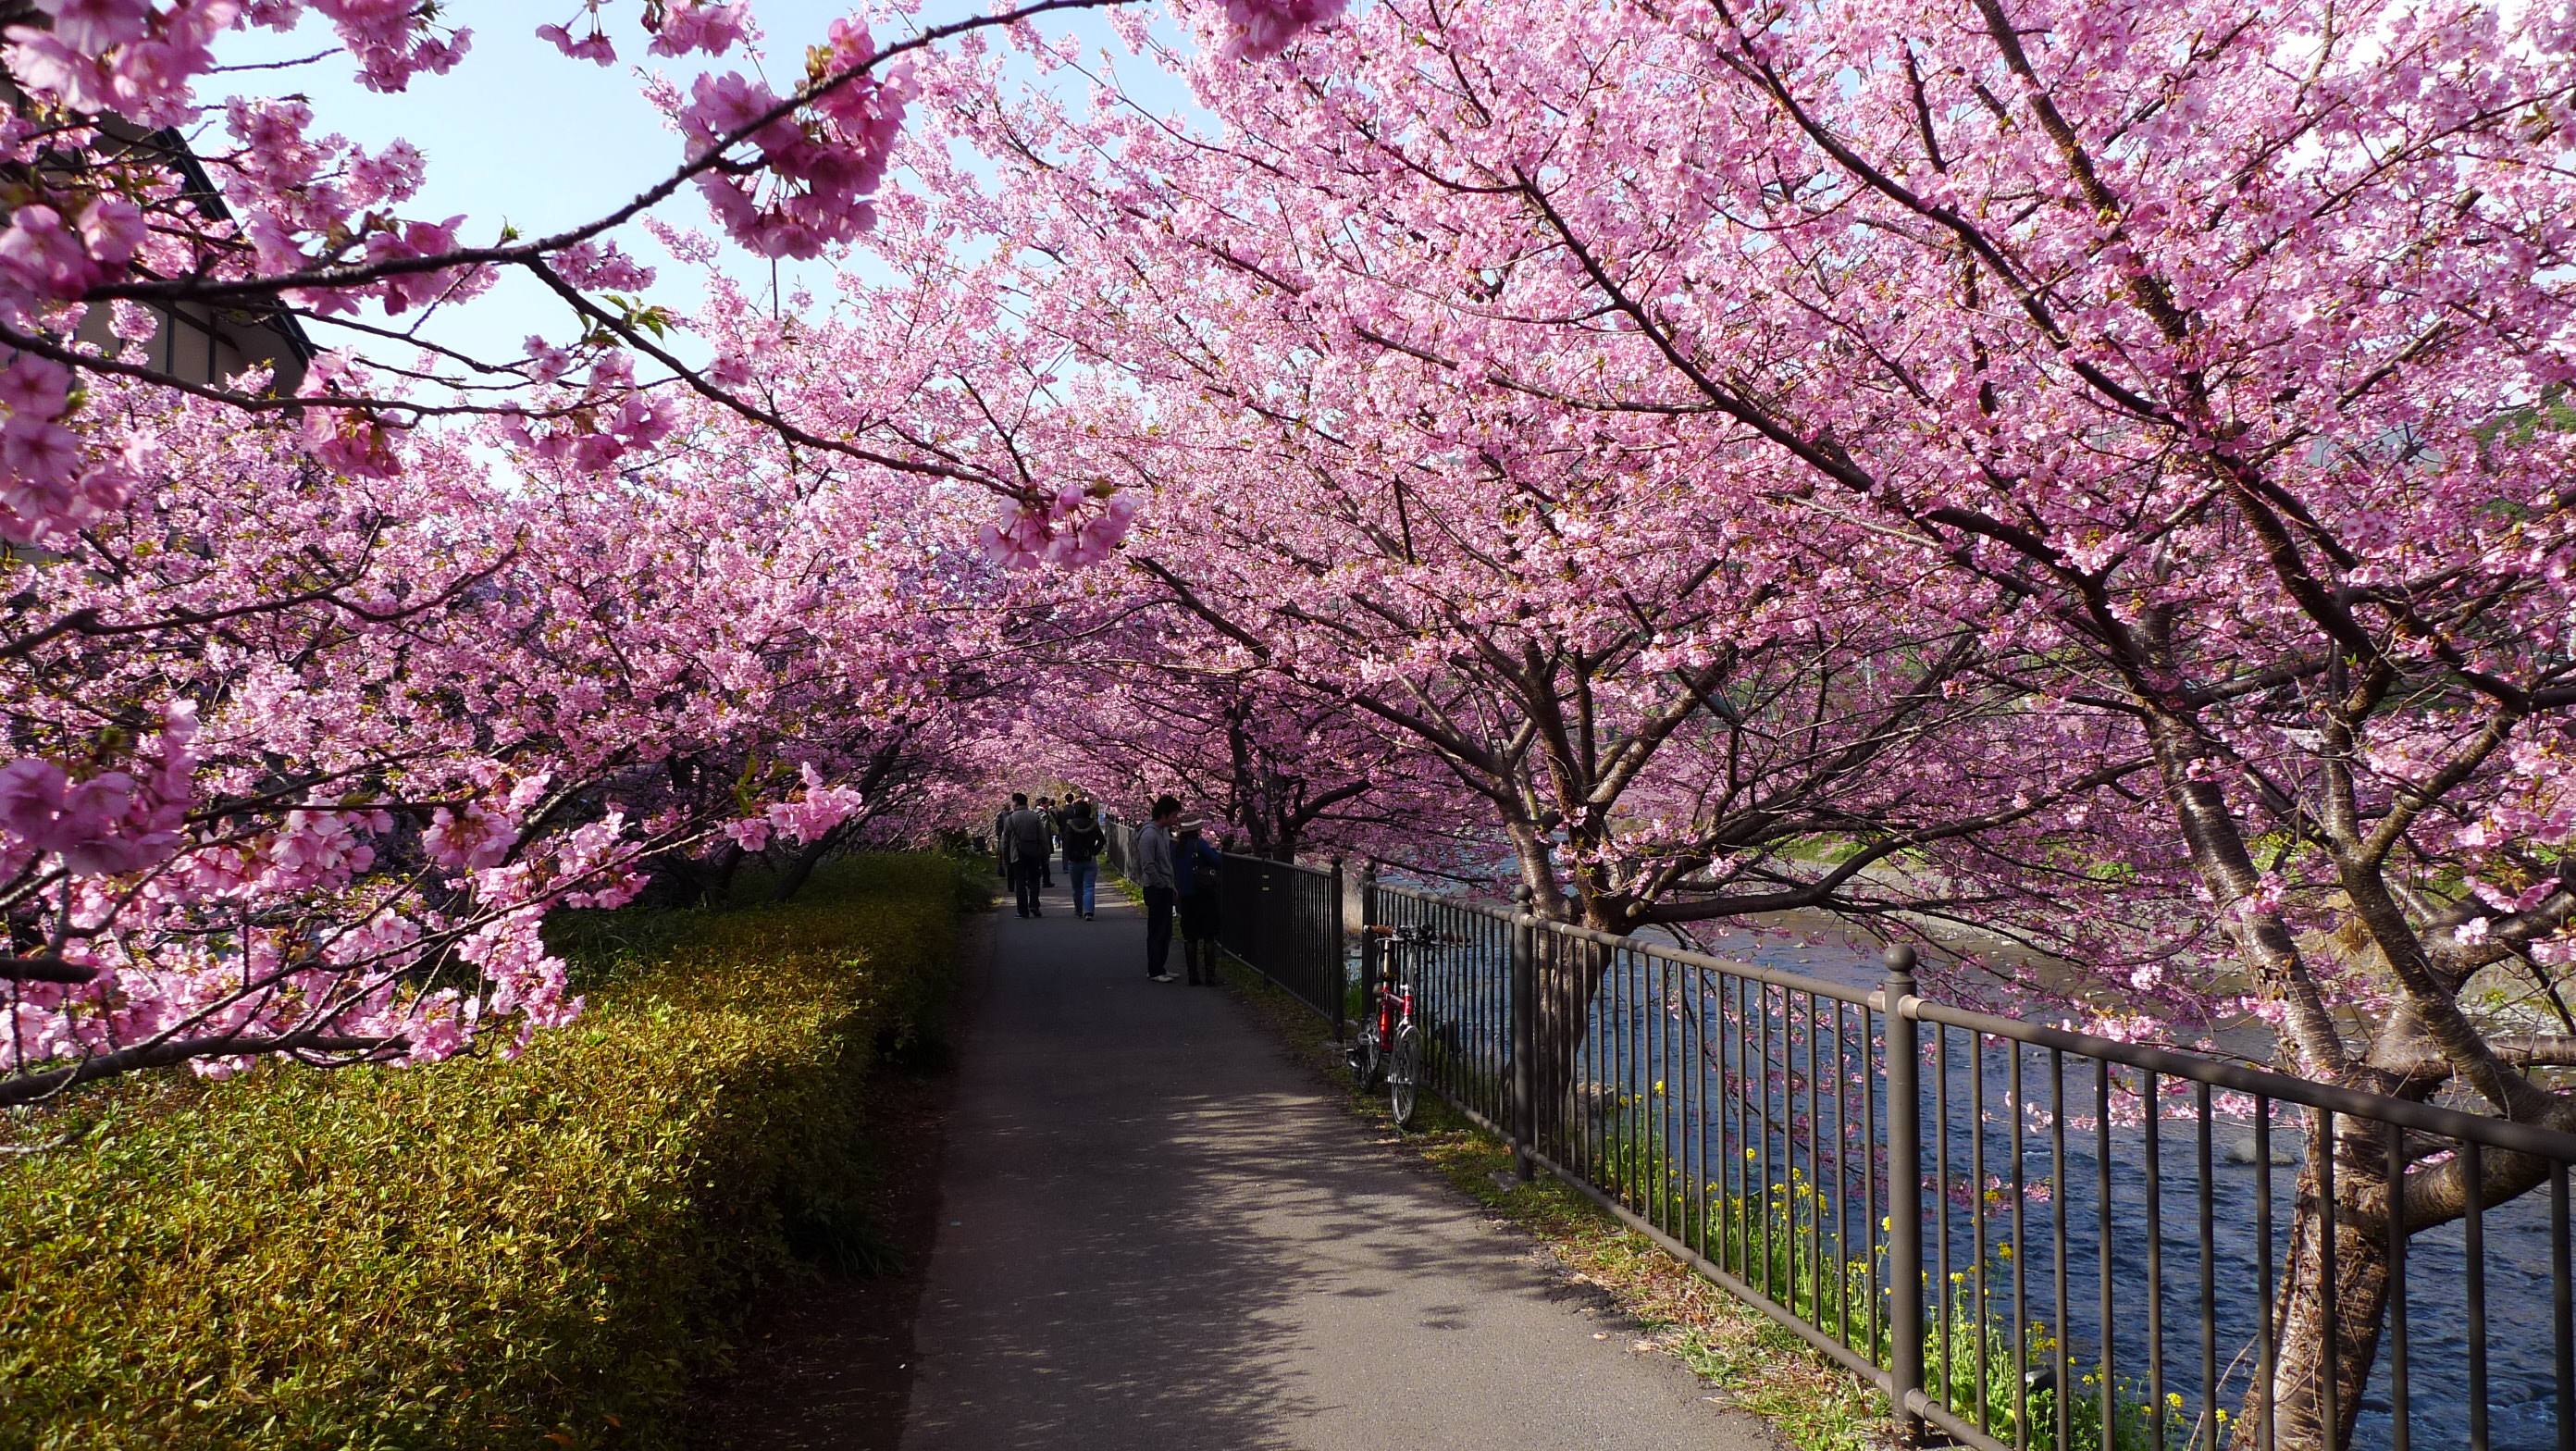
(479, 1254)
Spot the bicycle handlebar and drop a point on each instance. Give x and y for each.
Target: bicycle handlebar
(1410, 936)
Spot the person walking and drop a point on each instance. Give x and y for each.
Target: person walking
(1198, 868)
(1025, 837)
(1154, 874)
(1002, 841)
(1046, 862)
(1084, 841)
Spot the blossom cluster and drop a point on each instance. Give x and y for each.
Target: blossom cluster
(1073, 528)
(107, 822)
(1260, 29)
(360, 740)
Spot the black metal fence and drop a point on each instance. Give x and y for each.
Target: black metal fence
(1122, 847)
(2027, 1237)
(1285, 920)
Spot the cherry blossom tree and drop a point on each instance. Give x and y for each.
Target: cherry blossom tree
(2216, 398)
(320, 696)
(2202, 361)
(449, 730)
(2095, 471)
(1288, 774)
(1670, 708)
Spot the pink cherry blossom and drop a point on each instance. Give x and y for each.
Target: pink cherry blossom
(595, 46)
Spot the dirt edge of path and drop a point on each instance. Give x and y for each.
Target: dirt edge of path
(827, 1361)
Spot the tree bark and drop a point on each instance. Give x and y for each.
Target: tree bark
(800, 868)
(2306, 1354)
(676, 879)
(1570, 972)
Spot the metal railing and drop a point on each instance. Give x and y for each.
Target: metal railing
(2025, 1236)
(1122, 846)
(1285, 921)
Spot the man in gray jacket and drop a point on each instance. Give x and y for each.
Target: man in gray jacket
(1154, 874)
(1027, 842)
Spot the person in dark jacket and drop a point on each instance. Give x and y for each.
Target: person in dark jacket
(1055, 828)
(1196, 864)
(1083, 842)
(1153, 875)
(1028, 841)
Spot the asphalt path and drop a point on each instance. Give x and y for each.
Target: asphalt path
(1157, 1233)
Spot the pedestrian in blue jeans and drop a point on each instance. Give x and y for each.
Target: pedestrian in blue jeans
(1083, 842)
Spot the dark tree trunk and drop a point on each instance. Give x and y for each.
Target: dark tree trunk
(2307, 1355)
(1570, 972)
(2429, 1197)
(678, 880)
(800, 867)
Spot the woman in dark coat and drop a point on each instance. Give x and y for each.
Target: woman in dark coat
(1198, 864)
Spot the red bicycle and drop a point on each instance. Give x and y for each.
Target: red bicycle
(1387, 1049)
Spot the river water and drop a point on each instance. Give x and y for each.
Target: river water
(1651, 1029)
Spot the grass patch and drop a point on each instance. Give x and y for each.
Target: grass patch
(481, 1253)
(1761, 1365)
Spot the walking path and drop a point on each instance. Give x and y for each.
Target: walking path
(1158, 1234)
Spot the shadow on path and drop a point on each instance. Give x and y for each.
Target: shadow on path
(1157, 1233)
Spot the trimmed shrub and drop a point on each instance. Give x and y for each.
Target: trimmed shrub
(481, 1253)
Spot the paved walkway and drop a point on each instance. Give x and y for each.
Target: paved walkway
(1158, 1235)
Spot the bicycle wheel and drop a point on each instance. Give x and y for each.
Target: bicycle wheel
(1368, 1061)
(1404, 1073)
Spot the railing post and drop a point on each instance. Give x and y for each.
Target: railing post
(1333, 940)
(1268, 944)
(1524, 1033)
(1230, 907)
(1368, 940)
(1904, 1199)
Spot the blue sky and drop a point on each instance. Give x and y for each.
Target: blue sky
(517, 132)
